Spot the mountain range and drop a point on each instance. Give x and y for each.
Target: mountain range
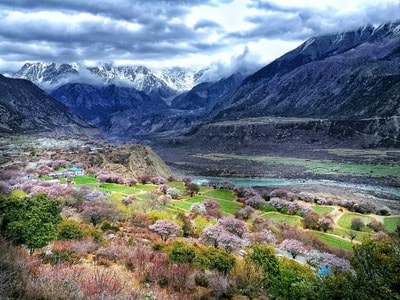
(165, 83)
(345, 77)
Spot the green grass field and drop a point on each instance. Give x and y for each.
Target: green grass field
(345, 219)
(127, 190)
(177, 184)
(333, 241)
(341, 232)
(117, 188)
(85, 179)
(229, 207)
(181, 204)
(278, 217)
(195, 199)
(221, 194)
(322, 210)
(391, 223)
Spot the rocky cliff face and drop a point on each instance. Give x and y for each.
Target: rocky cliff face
(351, 75)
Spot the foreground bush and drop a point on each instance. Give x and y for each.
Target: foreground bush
(30, 221)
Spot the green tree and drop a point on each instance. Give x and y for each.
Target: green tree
(30, 221)
(265, 257)
(377, 268)
(181, 253)
(214, 259)
(294, 281)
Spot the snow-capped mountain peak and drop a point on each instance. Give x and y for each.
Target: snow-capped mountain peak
(178, 78)
(165, 83)
(46, 73)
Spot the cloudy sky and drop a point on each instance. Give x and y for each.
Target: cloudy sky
(186, 33)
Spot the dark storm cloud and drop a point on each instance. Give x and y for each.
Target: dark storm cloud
(156, 30)
(206, 24)
(301, 22)
(115, 9)
(89, 36)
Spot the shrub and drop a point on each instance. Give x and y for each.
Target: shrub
(255, 202)
(294, 247)
(144, 178)
(96, 211)
(234, 226)
(61, 253)
(214, 259)
(140, 219)
(198, 208)
(307, 197)
(165, 229)
(248, 278)
(212, 208)
(311, 221)
(199, 223)
(244, 213)
(264, 236)
(174, 193)
(70, 230)
(192, 188)
(375, 226)
(325, 224)
(129, 199)
(219, 286)
(106, 226)
(377, 269)
(242, 191)
(357, 224)
(102, 283)
(321, 259)
(384, 211)
(264, 256)
(29, 221)
(294, 281)
(181, 253)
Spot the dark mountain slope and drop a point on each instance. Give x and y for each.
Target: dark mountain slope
(206, 95)
(25, 107)
(96, 103)
(344, 76)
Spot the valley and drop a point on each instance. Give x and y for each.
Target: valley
(120, 182)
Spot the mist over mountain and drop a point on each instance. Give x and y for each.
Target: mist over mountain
(165, 83)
